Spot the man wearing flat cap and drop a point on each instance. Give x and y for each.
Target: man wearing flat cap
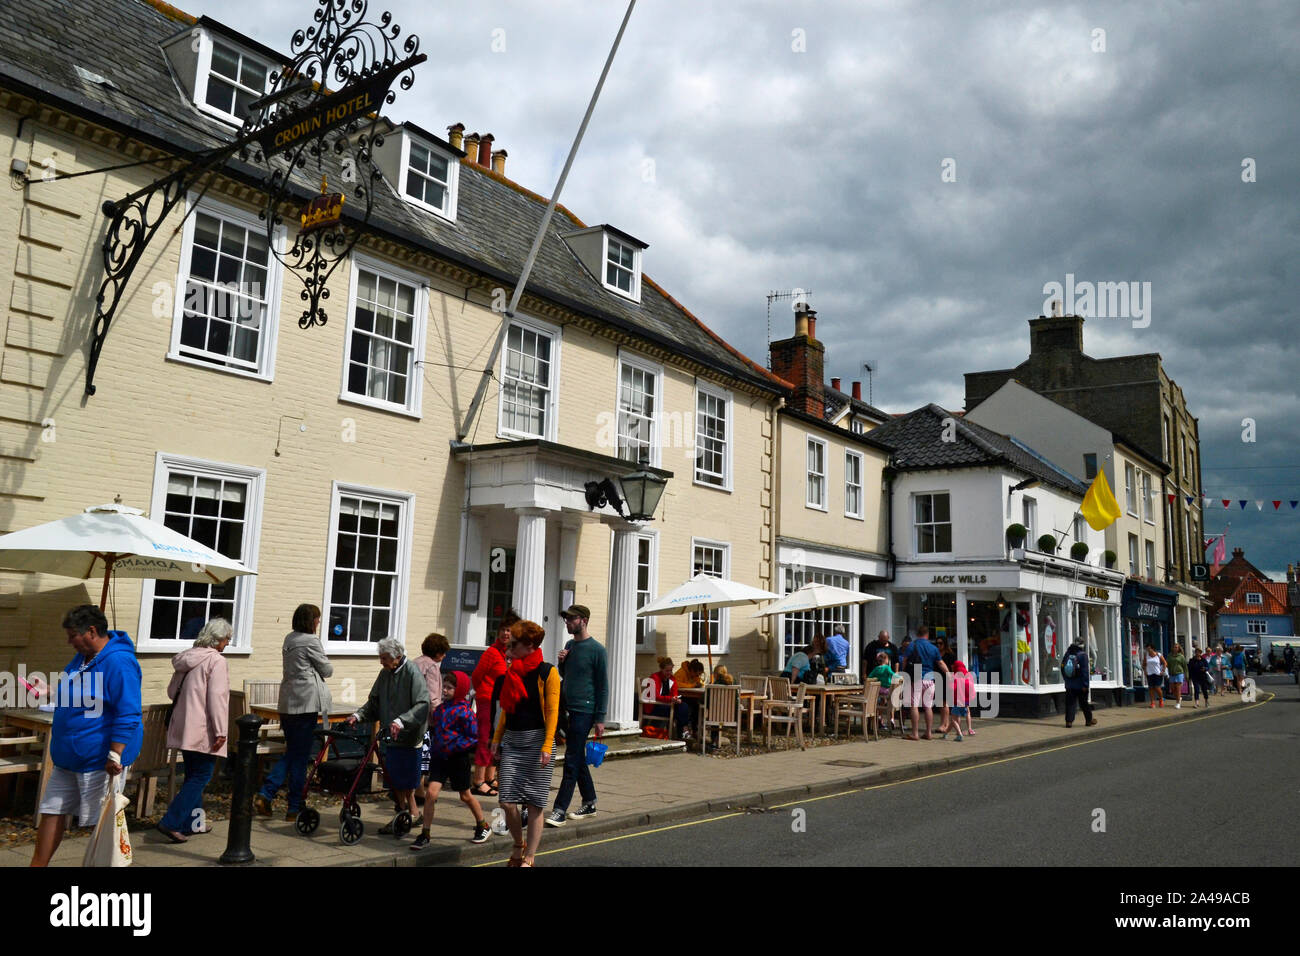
(585, 694)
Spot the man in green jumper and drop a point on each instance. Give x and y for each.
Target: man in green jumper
(585, 693)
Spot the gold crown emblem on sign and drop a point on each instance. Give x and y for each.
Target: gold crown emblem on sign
(325, 210)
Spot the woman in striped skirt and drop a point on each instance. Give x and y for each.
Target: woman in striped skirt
(529, 693)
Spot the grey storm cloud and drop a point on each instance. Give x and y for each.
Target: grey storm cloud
(770, 145)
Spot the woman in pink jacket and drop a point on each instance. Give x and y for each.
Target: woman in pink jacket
(201, 691)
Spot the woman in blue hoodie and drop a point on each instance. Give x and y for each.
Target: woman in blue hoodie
(97, 730)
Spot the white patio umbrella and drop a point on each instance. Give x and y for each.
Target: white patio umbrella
(814, 597)
(114, 539)
(704, 593)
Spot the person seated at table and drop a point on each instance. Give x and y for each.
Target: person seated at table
(721, 676)
(799, 666)
(690, 674)
(666, 696)
(819, 659)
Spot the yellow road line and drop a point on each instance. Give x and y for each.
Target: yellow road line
(895, 783)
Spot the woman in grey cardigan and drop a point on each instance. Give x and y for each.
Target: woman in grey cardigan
(304, 697)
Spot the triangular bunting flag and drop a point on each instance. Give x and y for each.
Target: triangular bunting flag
(1171, 498)
(1244, 502)
(1225, 501)
(1293, 504)
(1259, 506)
(1276, 505)
(1189, 499)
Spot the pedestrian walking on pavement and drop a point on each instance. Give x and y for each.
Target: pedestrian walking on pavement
(922, 663)
(529, 694)
(1238, 668)
(1225, 669)
(198, 726)
(1199, 670)
(304, 697)
(492, 663)
(1075, 672)
(1155, 668)
(1177, 675)
(453, 738)
(585, 691)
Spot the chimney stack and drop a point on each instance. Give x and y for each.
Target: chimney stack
(456, 135)
(835, 384)
(471, 147)
(499, 162)
(857, 391)
(800, 360)
(485, 151)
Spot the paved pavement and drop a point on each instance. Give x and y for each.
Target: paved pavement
(650, 791)
(1160, 795)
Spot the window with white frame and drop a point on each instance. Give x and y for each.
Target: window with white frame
(1150, 548)
(369, 561)
(709, 629)
(1134, 568)
(646, 550)
(800, 628)
(385, 337)
(1029, 518)
(853, 484)
(638, 407)
(621, 273)
(816, 488)
(232, 80)
(858, 426)
(1187, 538)
(1130, 490)
(1254, 597)
(933, 523)
(1148, 499)
(228, 294)
(219, 506)
(528, 382)
(1256, 626)
(712, 437)
(430, 178)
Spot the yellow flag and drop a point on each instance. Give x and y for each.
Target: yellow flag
(1099, 506)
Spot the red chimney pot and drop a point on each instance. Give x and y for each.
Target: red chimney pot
(835, 384)
(485, 151)
(857, 391)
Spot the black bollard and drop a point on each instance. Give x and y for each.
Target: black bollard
(238, 848)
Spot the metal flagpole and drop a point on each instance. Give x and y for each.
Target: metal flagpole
(541, 234)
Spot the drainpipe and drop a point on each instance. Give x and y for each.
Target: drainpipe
(774, 631)
(891, 561)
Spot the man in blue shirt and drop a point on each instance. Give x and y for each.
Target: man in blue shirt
(923, 659)
(837, 648)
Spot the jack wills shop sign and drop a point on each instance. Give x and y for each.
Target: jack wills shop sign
(1143, 603)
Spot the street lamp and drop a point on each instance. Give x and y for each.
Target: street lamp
(641, 491)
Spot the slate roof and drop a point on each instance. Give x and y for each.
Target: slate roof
(918, 438)
(43, 41)
(834, 400)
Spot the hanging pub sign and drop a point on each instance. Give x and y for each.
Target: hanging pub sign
(300, 132)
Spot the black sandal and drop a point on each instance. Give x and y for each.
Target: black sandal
(484, 789)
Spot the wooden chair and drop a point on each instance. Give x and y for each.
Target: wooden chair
(18, 758)
(721, 710)
(154, 760)
(647, 702)
(264, 693)
(896, 704)
(238, 708)
(785, 712)
(863, 707)
(753, 705)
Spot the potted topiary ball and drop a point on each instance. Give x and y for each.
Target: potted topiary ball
(1047, 543)
(1109, 557)
(1016, 535)
(1078, 550)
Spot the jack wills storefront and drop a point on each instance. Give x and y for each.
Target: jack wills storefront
(1148, 619)
(1011, 621)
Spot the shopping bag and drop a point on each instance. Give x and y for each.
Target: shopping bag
(110, 844)
(596, 753)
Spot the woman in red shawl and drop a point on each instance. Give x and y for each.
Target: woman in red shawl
(491, 665)
(529, 693)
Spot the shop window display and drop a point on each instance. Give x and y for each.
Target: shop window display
(1053, 637)
(1092, 629)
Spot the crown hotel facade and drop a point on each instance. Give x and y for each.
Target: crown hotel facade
(326, 459)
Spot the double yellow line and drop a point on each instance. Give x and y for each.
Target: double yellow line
(896, 783)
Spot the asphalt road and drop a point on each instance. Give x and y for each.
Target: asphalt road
(1207, 792)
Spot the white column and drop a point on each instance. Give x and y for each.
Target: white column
(568, 571)
(963, 632)
(530, 564)
(620, 628)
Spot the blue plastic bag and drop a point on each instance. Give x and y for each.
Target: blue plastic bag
(596, 753)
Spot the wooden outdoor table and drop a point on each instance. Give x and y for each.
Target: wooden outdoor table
(40, 723)
(271, 712)
(697, 693)
(823, 691)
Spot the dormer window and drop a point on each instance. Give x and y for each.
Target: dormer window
(613, 258)
(428, 177)
(620, 268)
(234, 80)
(1254, 597)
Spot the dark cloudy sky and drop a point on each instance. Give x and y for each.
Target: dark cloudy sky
(770, 145)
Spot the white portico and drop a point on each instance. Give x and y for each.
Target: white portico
(530, 540)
